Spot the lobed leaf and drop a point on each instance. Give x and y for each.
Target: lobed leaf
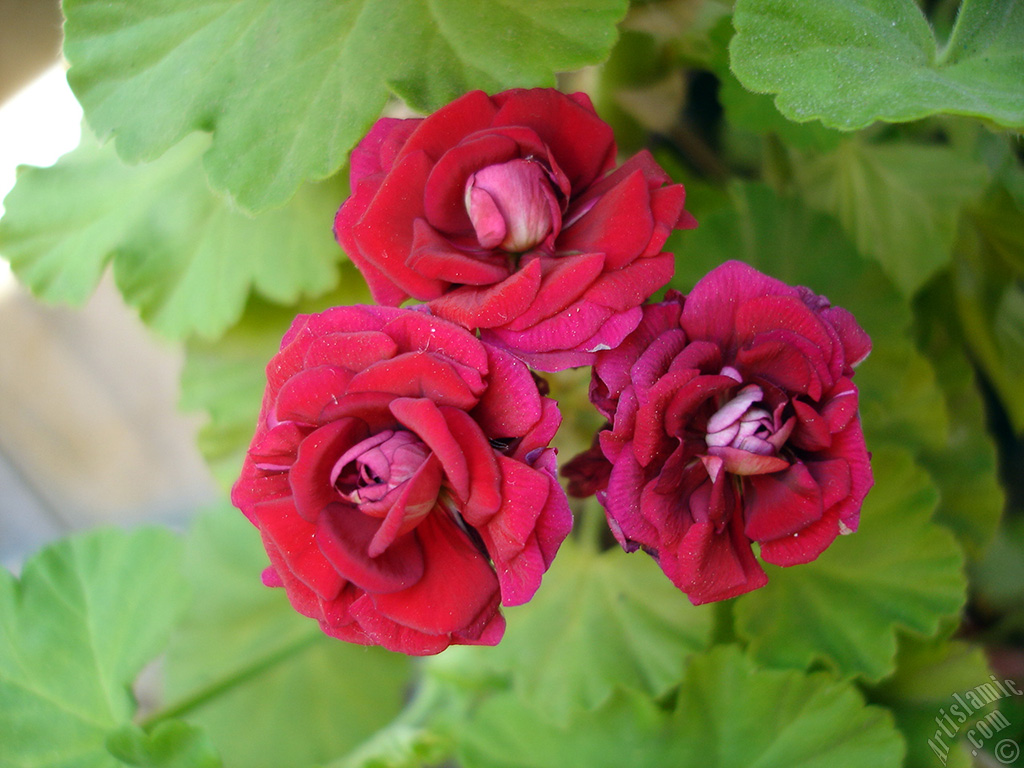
(900, 203)
(599, 622)
(184, 257)
(898, 571)
(849, 63)
(729, 714)
(75, 630)
(287, 88)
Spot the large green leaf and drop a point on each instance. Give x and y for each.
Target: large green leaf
(849, 63)
(921, 694)
(988, 281)
(75, 630)
(184, 257)
(729, 714)
(898, 571)
(965, 469)
(288, 87)
(900, 203)
(267, 686)
(599, 621)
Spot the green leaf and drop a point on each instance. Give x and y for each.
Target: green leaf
(287, 88)
(267, 686)
(185, 258)
(900, 203)
(921, 693)
(171, 744)
(997, 581)
(988, 277)
(226, 378)
(729, 714)
(898, 571)
(965, 469)
(849, 63)
(599, 621)
(75, 630)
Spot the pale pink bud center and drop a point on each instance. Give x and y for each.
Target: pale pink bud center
(512, 205)
(382, 463)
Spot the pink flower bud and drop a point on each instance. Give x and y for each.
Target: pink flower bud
(512, 205)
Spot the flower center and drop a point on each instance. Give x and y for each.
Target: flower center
(741, 424)
(743, 436)
(372, 468)
(512, 205)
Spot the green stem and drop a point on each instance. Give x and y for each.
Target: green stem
(219, 687)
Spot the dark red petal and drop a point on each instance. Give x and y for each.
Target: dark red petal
(457, 583)
(856, 342)
(493, 305)
(833, 478)
(393, 636)
(310, 476)
(511, 406)
(582, 143)
(622, 502)
(736, 461)
(687, 398)
(619, 225)
(449, 125)
(305, 395)
(840, 407)
(254, 485)
(484, 497)
(783, 362)
(709, 312)
(624, 288)
(425, 419)
(303, 599)
(276, 448)
(375, 153)
(343, 534)
(382, 237)
(415, 500)
(812, 432)
(543, 432)
(416, 374)
(667, 209)
(295, 541)
(612, 367)
(352, 351)
(781, 504)
(418, 331)
(444, 193)
(434, 256)
(564, 279)
(716, 565)
(805, 545)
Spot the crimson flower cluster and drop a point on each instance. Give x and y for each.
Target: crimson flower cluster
(401, 473)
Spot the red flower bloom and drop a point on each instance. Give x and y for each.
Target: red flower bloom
(505, 215)
(401, 480)
(734, 421)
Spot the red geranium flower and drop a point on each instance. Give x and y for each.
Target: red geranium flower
(733, 420)
(505, 214)
(401, 480)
